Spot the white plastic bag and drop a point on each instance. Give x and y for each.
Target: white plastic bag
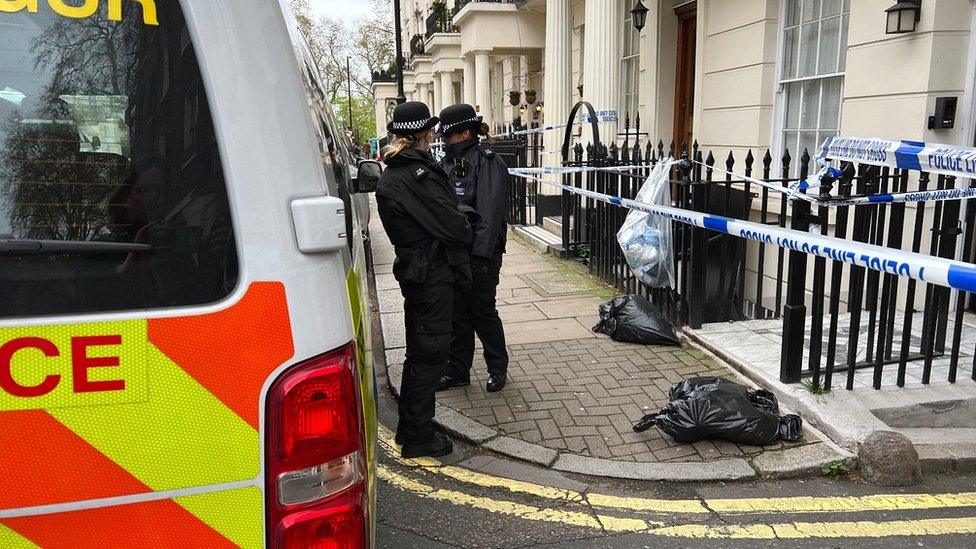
(645, 238)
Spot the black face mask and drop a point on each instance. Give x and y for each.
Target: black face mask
(459, 148)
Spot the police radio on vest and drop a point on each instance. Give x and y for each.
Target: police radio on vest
(87, 9)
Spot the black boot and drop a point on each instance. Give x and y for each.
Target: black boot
(438, 446)
(448, 382)
(496, 382)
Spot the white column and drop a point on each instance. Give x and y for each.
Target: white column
(509, 76)
(558, 76)
(523, 75)
(601, 78)
(428, 96)
(379, 113)
(482, 85)
(468, 79)
(523, 79)
(438, 100)
(447, 91)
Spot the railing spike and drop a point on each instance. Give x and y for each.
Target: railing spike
(729, 162)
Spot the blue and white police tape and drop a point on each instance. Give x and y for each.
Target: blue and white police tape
(605, 115)
(602, 115)
(914, 196)
(905, 155)
(530, 131)
(935, 270)
(792, 191)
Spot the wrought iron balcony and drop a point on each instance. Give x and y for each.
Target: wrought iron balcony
(440, 20)
(388, 75)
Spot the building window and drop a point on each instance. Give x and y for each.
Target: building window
(630, 70)
(812, 79)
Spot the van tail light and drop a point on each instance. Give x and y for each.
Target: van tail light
(316, 455)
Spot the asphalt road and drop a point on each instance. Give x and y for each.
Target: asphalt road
(477, 499)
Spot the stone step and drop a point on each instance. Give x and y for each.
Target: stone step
(539, 238)
(553, 224)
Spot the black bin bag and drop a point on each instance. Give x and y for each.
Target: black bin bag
(714, 407)
(634, 319)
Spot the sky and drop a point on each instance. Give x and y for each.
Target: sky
(346, 10)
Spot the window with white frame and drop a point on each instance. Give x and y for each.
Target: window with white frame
(630, 70)
(812, 77)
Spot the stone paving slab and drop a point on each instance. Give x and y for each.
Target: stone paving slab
(799, 462)
(533, 453)
(541, 331)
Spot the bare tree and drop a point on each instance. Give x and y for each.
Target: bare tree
(368, 42)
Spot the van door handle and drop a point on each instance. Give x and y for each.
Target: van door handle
(320, 224)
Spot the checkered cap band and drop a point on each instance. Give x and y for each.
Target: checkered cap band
(447, 127)
(412, 125)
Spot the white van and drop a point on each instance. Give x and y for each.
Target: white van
(184, 328)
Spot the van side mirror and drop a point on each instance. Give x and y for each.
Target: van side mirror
(367, 178)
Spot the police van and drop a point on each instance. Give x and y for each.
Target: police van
(184, 330)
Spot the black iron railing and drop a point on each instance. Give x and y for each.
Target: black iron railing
(878, 321)
(520, 151)
(388, 75)
(837, 318)
(439, 21)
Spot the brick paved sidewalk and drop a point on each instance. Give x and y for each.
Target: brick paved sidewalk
(570, 390)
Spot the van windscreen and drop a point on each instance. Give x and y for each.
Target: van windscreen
(112, 195)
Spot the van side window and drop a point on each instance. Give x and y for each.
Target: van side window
(334, 155)
(112, 193)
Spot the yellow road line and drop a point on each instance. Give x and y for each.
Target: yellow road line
(876, 502)
(824, 530)
(795, 530)
(510, 508)
(800, 504)
(480, 479)
(795, 505)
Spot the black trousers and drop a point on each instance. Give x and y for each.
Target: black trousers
(427, 318)
(475, 312)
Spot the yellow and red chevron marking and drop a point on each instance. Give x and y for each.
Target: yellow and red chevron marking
(155, 405)
(221, 519)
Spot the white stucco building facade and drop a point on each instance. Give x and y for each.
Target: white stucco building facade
(732, 75)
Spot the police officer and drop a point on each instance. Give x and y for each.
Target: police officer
(431, 237)
(480, 180)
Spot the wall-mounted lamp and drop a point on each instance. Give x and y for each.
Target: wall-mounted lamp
(903, 16)
(639, 14)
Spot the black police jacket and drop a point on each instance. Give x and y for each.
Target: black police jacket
(480, 180)
(420, 214)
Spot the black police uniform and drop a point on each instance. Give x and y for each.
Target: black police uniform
(419, 211)
(480, 180)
